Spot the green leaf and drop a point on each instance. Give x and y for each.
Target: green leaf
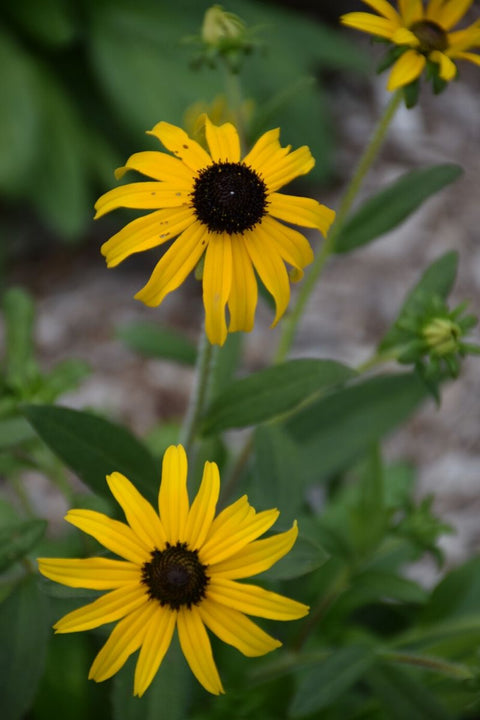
(94, 447)
(456, 595)
(54, 25)
(437, 280)
(271, 392)
(153, 341)
(403, 696)
(19, 312)
(14, 431)
(16, 540)
(335, 429)
(167, 698)
(327, 681)
(391, 206)
(24, 634)
(306, 556)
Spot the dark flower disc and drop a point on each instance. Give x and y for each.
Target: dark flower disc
(229, 197)
(175, 576)
(430, 35)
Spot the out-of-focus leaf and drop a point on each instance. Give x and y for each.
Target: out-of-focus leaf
(19, 119)
(18, 539)
(153, 341)
(63, 197)
(271, 392)
(14, 431)
(53, 25)
(323, 684)
(94, 447)
(332, 431)
(167, 696)
(391, 206)
(19, 312)
(24, 633)
(305, 557)
(403, 696)
(456, 595)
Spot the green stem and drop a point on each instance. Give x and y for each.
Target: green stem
(199, 394)
(453, 670)
(371, 151)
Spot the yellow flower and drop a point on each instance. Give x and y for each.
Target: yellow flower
(180, 570)
(222, 206)
(424, 31)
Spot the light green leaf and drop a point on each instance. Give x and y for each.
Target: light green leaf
(326, 682)
(391, 206)
(24, 633)
(271, 392)
(13, 431)
(334, 430)
(16, 540)
(94, 447)
(153, 341)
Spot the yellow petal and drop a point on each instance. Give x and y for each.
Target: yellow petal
(197, 649)
(410, 10)
(281, 169)
(433, 10)
(93, 573)
(146, 232)
(157, 639)
(472, 57)
(268, 263)
(403, 36)
(177, 141)
(293, 247)
(140, 515)
(173, 496)
(234, 628)
(108, 608)
(463, 40)
(301, 211)
(447, 68)
(234, 513)
(124, 640)
(159, 166)
(384, 8)
(254, 600)
(114, 535)
(266, 145)
(234, 536)
(217, 281)
(257, 556)
(366, 22)
(143, 196)
(408, 67)
(452, 12)
(202, 511)
(172, 269)
(242, 301)
(223, 142)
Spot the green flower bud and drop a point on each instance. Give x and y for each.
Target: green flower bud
(220, 26)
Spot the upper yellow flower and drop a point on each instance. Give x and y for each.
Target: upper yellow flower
(425, 33)
(180, 569)
(222, 206)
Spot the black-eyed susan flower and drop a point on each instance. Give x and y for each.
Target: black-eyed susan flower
(179, 569)
(221, 207)
(423, 35)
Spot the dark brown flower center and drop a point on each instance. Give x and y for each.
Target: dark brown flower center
(229, 197)
(430, 35)
(175, 576)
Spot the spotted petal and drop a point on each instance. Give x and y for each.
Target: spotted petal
(223, 142)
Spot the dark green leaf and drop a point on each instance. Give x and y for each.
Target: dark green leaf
(403, 696)
(54, 25)
(323, 684)
(335, 429)
(456, 595)
(153, 341)
(24, 634)
(306, 555)
(391, 206)
(14, 431)
(167, 698)
(271, 392)
(94, 447)
(18, 539)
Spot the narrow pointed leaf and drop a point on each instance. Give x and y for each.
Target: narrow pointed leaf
(18, 539)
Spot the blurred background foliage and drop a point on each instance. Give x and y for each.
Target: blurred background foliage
(82, 80)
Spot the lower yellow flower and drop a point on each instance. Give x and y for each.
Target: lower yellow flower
(180, 570)
(223, 208)
(425, 33)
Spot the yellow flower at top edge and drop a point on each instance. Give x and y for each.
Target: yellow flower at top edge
(223, 207)
(179, 569)
(425, 30)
